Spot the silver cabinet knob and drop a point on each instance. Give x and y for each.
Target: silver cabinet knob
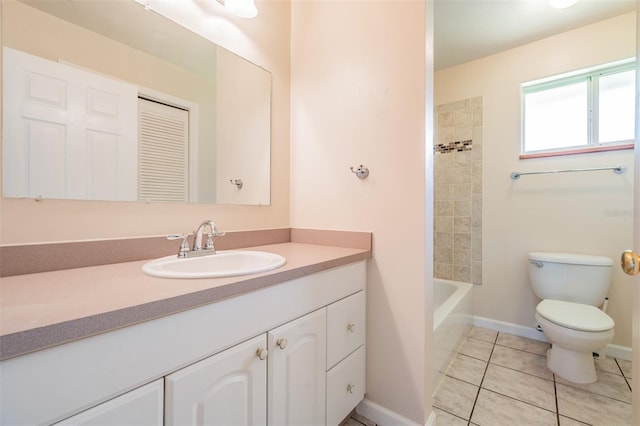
(351, 327)
(262, 353)
(282, 343)
(351, 388)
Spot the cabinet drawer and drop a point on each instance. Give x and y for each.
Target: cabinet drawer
(345, 327)
(345, 386)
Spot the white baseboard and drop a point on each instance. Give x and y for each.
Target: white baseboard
(620, 352)
(615, 351)
(507, 327)
(431, 421)
(383, 416)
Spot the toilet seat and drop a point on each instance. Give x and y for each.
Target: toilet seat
(575, 316)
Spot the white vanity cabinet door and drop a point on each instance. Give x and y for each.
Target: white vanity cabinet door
(297, 371)
(345, 327)
(345, 386)
(228, 388)
(140, 407)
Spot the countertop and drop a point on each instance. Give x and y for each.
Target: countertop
(45, 309)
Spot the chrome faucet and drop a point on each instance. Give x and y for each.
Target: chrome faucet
(197, 248)
(198, 233)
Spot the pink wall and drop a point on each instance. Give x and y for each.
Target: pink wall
(358, 97)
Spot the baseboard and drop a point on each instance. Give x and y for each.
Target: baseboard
(615, 351)
(431, 421)
(620, 352)
(507, 327)
(383, 416)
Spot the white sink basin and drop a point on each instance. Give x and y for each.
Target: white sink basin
(226, 263)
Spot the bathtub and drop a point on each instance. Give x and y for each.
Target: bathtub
(452, 319)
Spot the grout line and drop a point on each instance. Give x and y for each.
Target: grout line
(555, 395)
(518, 349)
(523, 372)
(622, 372)
(482, 380)
(451, 414)
(519, 400)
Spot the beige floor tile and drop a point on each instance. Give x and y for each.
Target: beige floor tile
(566, 421)
(476, 348)
(483, 334)
(467, 369)
(521, 361)
(362, 419)
(607, 364)
(528, 345)
(521, 386)
(495, 409)
(455, 397)
(590, 408)
(445, 419)
(350, 422)
(609, 385)
(625, 366)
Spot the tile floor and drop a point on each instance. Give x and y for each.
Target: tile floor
(502, 379)
(355, 419)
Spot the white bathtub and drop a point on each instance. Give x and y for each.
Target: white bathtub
(452, 319)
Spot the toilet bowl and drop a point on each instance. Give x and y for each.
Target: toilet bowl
(571, 287)
(575, 331)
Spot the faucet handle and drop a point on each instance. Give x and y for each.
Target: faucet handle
(214, 232)
(184, 245)
(208, 245)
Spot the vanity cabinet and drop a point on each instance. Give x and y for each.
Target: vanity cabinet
(140, 407)
(229, 388)
(292, 351)
(297, 370)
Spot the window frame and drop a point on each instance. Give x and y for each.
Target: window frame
(592, 77)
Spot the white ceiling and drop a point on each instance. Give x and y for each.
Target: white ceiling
(470, 29)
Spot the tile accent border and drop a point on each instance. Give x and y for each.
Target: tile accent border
(458, 146)
(47, 257)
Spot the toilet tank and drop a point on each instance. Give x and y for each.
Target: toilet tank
(570, 277)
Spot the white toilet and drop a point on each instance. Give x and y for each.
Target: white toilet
(572, 287)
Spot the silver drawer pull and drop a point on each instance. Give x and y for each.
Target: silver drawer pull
(351, 388)
(282, 343)
(351, 327)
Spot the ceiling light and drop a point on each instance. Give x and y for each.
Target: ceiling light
(241, 8)
(562, 4)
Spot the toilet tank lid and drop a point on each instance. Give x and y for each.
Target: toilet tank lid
(571, 258)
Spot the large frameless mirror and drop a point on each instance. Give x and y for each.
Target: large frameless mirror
(106, 100)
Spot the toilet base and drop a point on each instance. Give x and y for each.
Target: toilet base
(577, 367)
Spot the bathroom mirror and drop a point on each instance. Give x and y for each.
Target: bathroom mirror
(106, 100)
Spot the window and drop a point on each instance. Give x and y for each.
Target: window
(584, 111)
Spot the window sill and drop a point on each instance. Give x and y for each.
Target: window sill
(578, 151)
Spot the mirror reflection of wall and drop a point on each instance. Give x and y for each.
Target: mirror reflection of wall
(194, 175)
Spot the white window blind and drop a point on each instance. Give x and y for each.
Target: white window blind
(163, 172)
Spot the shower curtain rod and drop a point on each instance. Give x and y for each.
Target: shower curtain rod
(616, 169)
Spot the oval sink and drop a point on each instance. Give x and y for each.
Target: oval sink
(226, 263)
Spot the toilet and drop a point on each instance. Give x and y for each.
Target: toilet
(572, 287)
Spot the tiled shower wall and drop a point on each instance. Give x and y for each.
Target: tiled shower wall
(458, 191)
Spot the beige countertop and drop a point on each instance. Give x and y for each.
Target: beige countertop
(45, 309)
